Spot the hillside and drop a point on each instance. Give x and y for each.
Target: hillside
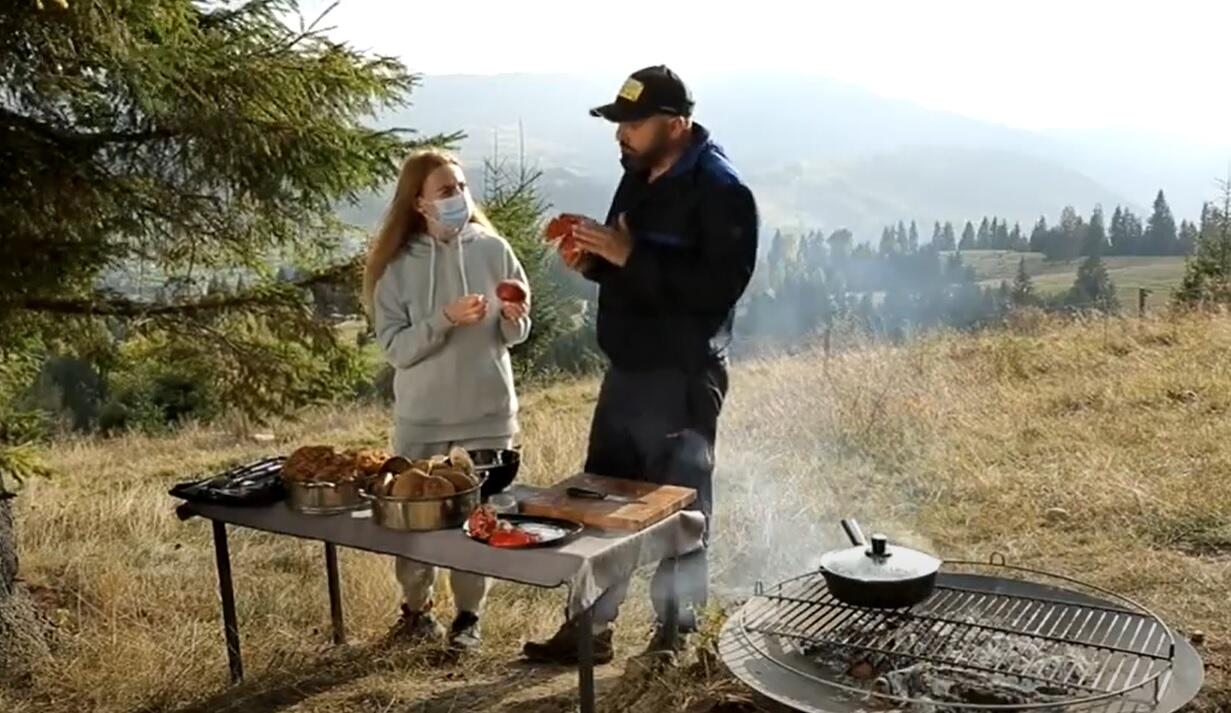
(820, 153)
(1159, 274)
(962, 445)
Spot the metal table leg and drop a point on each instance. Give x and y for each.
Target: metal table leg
(585, 661)
(230, 624)
(671, 617)
(335, 593)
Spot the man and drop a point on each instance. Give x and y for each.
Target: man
(676, 252)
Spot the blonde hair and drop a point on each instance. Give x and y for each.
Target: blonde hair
(404, 221)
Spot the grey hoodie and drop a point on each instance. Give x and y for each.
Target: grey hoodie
(452, 382)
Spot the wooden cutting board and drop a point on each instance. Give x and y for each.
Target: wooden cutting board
(657, 502)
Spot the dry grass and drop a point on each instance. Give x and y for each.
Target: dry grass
(960, 444)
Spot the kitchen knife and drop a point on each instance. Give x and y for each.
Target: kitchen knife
(587, 493)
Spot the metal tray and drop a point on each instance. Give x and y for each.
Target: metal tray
(552, 531)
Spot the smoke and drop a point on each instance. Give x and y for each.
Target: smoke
(802, 445)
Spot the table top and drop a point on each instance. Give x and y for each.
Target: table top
(611, 555)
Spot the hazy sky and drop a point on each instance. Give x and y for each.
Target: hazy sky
(1027, 63)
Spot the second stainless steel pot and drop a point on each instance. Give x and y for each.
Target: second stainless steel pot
(423, 514)
(314, 498)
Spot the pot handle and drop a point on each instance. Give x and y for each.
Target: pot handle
(853, 532)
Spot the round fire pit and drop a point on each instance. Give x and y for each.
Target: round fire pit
(989, 639)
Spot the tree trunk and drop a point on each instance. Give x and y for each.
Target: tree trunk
(23, 633)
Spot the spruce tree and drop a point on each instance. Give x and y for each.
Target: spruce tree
(1096, 235)
(1117, 234)
(1023, 287)
(938, 236)
(1017, 240)
(983, 240)
(969, 241)
(949, 241)
(1160, 232)
(191, 138)
(1093, 288)
(1189, 235)
(1207, 276)
(912, 241)
(889, 242)
(1038, 236)
(902, 239)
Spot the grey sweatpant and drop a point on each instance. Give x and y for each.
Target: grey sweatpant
(418, 580)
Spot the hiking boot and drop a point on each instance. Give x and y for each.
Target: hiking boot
(416, 627)
(662, 645)
(562, 648)
(464, 635)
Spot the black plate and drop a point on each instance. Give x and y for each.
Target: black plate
(567, 529)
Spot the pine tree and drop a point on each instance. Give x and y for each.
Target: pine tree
(938, 236)
(913, 238)
(889, 242)
(1017, 240)
(902, 239)
(1096, 237)
(1022, 294)
(969, 241)
(1160, 233)
(1117, 234)
(1038, 236)
(1093, 288)
(949, 241)
(1067, 245)
(1207, 277)
(1189, 235)
(983, 241)
(1000, 235)
(840, 245)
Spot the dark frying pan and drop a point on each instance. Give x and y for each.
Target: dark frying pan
(878, 575)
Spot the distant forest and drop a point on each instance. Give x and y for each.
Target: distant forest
(809, 281)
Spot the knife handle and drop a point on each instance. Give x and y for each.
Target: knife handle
(575, 492)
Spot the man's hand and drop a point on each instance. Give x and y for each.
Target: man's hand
(612, 244)
(513, 311)
(467, 310)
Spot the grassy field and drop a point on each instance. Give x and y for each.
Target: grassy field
(1160, 275)
(962, 445)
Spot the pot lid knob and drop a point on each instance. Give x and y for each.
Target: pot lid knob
(880, 546)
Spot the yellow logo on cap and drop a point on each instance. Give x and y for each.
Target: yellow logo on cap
(631, 90)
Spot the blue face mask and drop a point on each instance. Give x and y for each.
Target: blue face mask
(453, 212)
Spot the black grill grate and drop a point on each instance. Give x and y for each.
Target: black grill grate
(1081, 652)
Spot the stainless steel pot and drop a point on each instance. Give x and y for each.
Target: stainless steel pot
(423, 514)
(314, 498)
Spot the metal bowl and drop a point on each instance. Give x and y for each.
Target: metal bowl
(423, 514)
(313, 498)
(498, 466)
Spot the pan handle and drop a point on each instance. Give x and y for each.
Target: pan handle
(853, 531)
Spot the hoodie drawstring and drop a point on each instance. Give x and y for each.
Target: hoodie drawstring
(431, 279)
(461, 263)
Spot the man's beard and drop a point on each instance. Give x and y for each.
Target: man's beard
(659, 149)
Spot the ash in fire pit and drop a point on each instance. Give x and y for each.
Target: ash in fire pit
(1046, 672)
(980, 642)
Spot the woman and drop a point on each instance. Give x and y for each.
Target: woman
(431, 283)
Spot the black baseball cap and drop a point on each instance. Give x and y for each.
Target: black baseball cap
(648, 92)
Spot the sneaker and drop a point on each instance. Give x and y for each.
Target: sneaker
(464, 635)
(562, 648)
(417, 627)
